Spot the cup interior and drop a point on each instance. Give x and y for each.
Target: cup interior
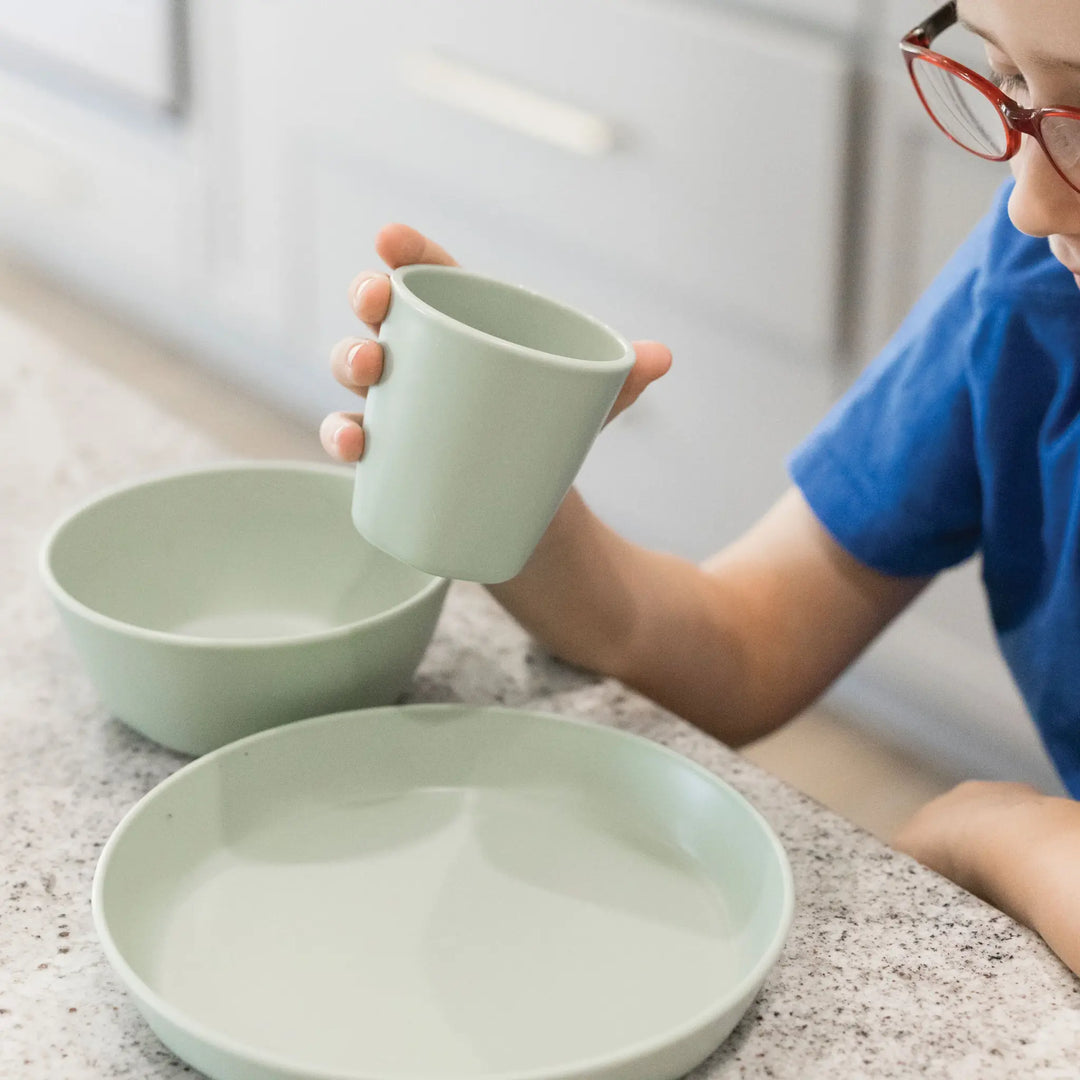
(512, 314)
(236, 553)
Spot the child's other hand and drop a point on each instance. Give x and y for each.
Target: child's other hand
(357, 362)
(1012, 846)
(959, 834)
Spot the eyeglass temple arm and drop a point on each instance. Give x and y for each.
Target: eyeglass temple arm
(938, 23)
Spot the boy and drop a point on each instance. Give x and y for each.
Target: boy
(963, 435)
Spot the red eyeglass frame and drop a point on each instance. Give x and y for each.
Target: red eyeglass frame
(1018, 120)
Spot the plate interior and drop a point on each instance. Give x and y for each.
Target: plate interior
(442, 891)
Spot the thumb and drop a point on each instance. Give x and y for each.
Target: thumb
(652, 359)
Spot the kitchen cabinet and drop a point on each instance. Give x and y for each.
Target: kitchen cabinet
(97, 187)
(601, 135)
(127, 188)
(113, 177)
(95, 163)
(131, 47)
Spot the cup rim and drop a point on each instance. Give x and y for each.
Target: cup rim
(65, 599)
(575, 363)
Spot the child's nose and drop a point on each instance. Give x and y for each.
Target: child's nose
(1042, 203)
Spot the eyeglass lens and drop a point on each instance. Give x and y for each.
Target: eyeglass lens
(967, 114)
(973, 120)
(1062, 137)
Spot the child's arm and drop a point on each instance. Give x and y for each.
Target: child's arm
(738, 645)
(1015, 847)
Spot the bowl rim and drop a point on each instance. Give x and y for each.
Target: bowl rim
(751, 981)
(62, 597)
(573, 363)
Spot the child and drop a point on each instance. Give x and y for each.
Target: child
(963, 436)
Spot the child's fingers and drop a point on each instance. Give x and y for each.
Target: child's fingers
(652, 361)
(369, 295)
(357, 363)
(342, 436)
(401, 245)
(397, 245)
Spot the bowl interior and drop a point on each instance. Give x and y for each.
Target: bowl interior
(513, 314)
(241, 553)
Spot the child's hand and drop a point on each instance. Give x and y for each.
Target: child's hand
(357, 362)
(1013, 846)
(960, 834)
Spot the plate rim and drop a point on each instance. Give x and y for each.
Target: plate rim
(235, 1049)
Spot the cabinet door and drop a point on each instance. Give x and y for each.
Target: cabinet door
(701, 455)
(130, 46)
(698, 151)
(95, 192)
(133, 205)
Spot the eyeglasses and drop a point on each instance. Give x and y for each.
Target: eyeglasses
(974, 113)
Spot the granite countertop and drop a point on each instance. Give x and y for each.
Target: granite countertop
(889, 970)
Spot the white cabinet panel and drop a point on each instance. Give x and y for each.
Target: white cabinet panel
(700, 456)
(78, 186)
(834, 14)
(924, 194)
(131, 45)
(701, 151)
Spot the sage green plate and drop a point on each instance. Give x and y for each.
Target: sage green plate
(442, 891)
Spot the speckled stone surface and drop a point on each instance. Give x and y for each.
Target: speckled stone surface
(889, 971)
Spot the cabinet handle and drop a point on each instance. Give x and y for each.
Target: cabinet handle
(510, 106)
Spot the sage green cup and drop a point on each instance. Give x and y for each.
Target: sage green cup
(490, 398)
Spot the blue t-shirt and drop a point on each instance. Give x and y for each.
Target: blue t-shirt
(964, 436)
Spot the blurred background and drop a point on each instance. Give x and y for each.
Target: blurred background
(188, 186)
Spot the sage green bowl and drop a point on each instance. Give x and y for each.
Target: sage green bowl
(212, 603)
(443, 891)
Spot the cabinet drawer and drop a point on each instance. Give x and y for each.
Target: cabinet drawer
(129, 45)
(698, 151)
